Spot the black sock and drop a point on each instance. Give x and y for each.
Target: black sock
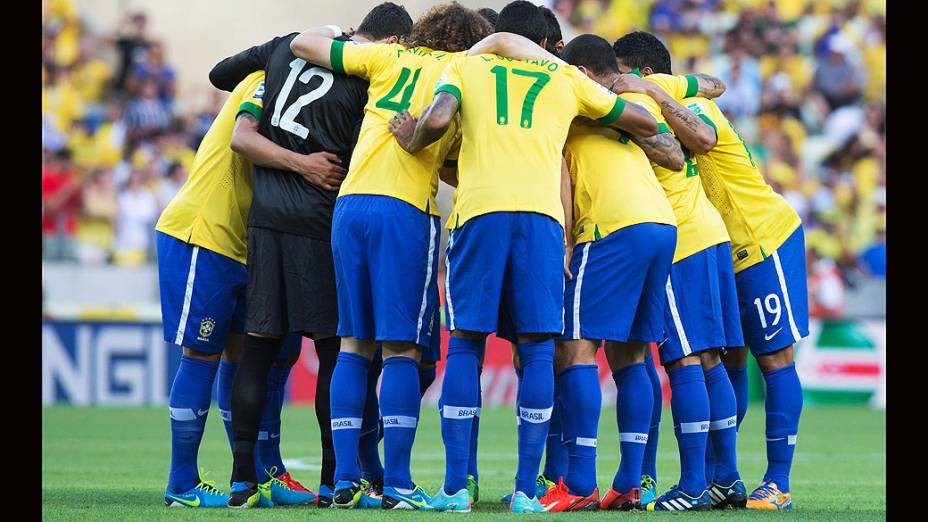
(249, 389)
(327, 353)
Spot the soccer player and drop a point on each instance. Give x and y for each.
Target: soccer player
(506, 252)
(202, 276)
(703, 317)
(291, 275)
(624, 234)
(768, 251)
(385, 232)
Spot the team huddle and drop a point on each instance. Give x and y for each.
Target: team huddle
(599, 200)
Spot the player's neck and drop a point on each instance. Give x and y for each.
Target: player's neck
(608, 80)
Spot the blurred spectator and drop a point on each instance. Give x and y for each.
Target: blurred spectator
(60, 200)
(97, 218)
(169, 185)
(836, 78)
(138, 211)
(152, 68)
(826, 287)
(146, 114)
(131, 43)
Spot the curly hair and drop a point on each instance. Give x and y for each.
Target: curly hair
(449, 27)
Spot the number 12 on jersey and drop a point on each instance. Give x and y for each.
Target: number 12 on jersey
(528, 103)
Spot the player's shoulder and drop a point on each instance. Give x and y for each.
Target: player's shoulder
(251, 84)
(703, 106)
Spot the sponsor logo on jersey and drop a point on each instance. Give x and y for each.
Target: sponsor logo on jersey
(259, 92)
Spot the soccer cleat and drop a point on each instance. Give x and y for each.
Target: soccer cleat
(542, 485)
(324, 499)
(288, 492)
(265, 500)
(648, 489)
(676, 500)
(522, 504)
(371, 494)
(768, 496)
(346, 495)
(243, 495)
(559, 499)
(615, 501)
(734, 495)
(415, 498)
(457, 503)
(473, 488)
(204, 494)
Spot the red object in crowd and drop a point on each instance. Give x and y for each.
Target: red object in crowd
(54, 182)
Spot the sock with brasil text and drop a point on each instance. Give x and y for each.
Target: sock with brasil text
(689, 405)
(459, 408)
(633, 405)
(399, 409)
(784, 406)
(581, 402)
(723, 424)
(190, 398)
(536, 401)
(347, 397)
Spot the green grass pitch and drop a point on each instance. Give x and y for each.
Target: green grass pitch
(111, 464)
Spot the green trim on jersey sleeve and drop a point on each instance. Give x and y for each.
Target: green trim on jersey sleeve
(662, 127)
(336, 56)
(708, 121)
(250, 108)
(692, 86)
(452, 90)
(614, 114)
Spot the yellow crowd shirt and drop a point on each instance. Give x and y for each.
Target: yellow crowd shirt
(758, 219)
(515, 116)
(613, 183)
(211, 209)
(399, 79)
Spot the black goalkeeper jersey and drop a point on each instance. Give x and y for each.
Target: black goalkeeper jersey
(307, 109)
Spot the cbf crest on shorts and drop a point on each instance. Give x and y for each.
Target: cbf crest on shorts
(207, 325)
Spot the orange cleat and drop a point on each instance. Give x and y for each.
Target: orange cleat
(559, 499)
(615, 501)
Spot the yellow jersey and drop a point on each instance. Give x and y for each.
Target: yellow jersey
(399, 79)
(515, 116)
(758, 219)
(613, 183)
(211, 209)
(699, 225)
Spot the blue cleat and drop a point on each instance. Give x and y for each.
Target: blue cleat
(324, 499)
(648, 489)
(676, 500)
(396, 498)
(734, 495)
(371, 494)
(542, 485)
(458, 503)
(346, 495)
(522, 504)
(204, 495)
(265, 500)
(286, 491)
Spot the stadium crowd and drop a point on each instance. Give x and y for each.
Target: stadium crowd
(806, 88)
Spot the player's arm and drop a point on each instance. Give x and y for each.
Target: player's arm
(567, 201)
(707, 86)
(315, 44)
(229, 72)
(322, 169)
(663, 149)
(513, 46)
(429, 127)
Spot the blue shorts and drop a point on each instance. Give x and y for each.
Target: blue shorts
(702, 304)
(432, 353)
(506, 266)
(773, 298)
(202, 295)
(618, 289)
(386, 269)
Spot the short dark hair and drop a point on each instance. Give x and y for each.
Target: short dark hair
(554, 29)
(386, 20)
(640, 49)
(523, 18)
(490, 14)
(591, 51)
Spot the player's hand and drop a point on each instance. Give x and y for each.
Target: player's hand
(568, 253)
(402, 126)
(631, 83)
(322, 169)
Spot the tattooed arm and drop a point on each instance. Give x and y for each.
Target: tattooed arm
(709, 86)
(662, 149)
(429, 127)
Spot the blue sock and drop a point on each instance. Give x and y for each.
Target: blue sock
(536, 401)
(723, 426)
(459, 408)
(283, 376)
(371, 426)
(267, 449)
(426, 378)
(581, 402)
(649, 465)
(556, 454)
(224, 378)
(399, 409)
(784, 405)
(634, 404)
(348, 390)
(191, 395)
(475, 429)
(689, 404)
(739, 383)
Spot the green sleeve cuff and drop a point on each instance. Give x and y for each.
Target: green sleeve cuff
(706, 119)
(614, 114)
(336, 56)
(250, 108)
(450, 163)
(452, 90)
(662, 127)
(692, 86)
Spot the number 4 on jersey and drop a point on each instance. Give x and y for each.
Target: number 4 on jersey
(388, 102)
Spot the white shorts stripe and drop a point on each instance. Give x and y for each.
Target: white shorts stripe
(585, 441)
(535, 415)
(723, 424)
(640, 438)
(188, 294)
(789, 309)
(448, 281)
(428, 278)
(694, 427)
(676, 319)
(399, 421)
(458, 412)
(580, 272)
(346, 423)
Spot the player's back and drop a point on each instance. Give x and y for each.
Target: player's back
(515, 116)
(211, 209)
(757, 218)
(400, 79)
